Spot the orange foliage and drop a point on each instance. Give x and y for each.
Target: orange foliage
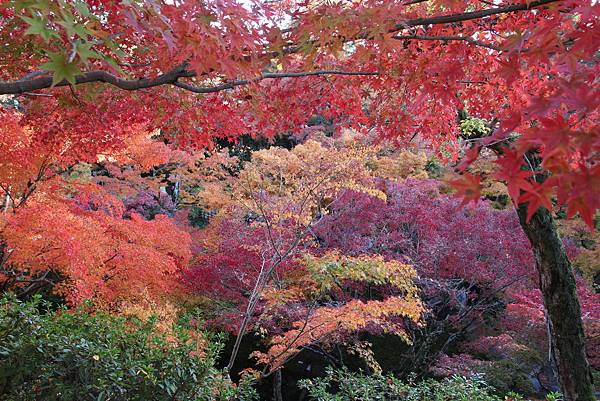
(22, 159)
(100, 255)
(331, 324)
(333, 321)
(402, 164)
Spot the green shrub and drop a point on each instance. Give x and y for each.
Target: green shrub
(342, 385)
(63, 355)
(507, 375)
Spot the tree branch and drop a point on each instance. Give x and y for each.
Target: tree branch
(447, 19)
(172, 77)
(447, 38)
(232, 84)
(28, 85)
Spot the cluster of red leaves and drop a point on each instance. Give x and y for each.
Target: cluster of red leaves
(530, 70)
(433, 232)
(525, 320)
(225, 270)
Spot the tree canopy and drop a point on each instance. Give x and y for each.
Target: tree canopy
(278, 165)
(398, 70)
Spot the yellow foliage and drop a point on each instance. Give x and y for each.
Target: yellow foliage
(333, 267)
(490, 187)
(403, 164)
(588, 262)
(206, 180)
(331, 322)
(588, 259)
(281, 184)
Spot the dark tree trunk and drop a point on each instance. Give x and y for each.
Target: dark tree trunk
(277, 382)
(557, 284)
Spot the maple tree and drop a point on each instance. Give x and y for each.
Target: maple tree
(473, 256)
(89, 76)
(280, 195)
(61, 230)
(329, 315)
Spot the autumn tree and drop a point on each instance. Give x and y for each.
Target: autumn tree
(268, 211)
(61, 230)
(85, 70)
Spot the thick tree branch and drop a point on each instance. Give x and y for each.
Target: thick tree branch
(172, 77)
(447, 19)
(30, 85)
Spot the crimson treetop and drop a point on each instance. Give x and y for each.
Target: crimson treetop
(205, 69)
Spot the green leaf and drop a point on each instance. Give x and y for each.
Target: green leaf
(69, 24)
(38, 26)
(40, 5)
(115, 48)
(113, 63)
(62, 69)
(19, 5)
(85, 51)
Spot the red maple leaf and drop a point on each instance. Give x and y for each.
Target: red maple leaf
(468, 186)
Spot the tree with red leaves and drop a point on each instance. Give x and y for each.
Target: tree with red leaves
(90, 73)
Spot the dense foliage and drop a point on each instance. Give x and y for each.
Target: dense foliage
(408, 187)
(342, 385)
(75, 355)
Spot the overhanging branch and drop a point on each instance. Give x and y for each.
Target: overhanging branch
(278, 75)
(33, 84)
(170, 78)
(447, 19)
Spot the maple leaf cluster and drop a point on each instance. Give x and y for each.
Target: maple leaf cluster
(99, 254)
(396, 70)
(65, 229)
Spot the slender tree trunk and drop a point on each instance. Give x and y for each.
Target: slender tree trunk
(277, 381)
(557, 284)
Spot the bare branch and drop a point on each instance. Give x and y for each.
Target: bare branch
(447, 19)
(447, 38)
(28, 85)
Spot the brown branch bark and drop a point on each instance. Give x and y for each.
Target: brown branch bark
(33, 84)
(559, 290)
(170, 78)
(558, 287)
(447, 19)
(233, 84)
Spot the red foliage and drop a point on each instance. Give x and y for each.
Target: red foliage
(525, 320)
(433, 232)
(226, 269)
(524, 64)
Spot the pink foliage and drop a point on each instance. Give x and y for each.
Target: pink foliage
(433, 232)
